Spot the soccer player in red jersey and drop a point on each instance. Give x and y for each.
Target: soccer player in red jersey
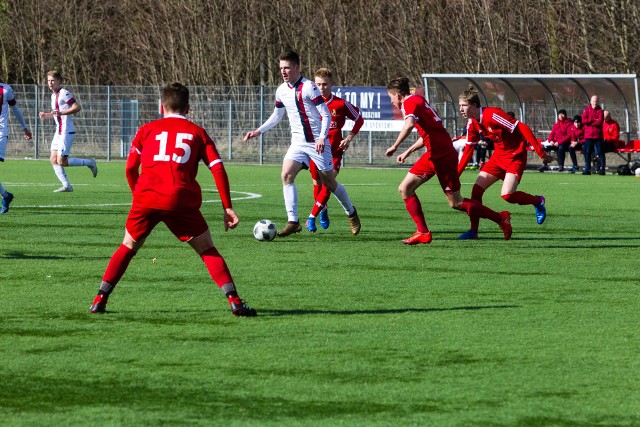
(509, 158)
(161, 171)
(440, 159)
(340, 111)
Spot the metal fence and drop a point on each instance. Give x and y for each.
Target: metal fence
(111, 115)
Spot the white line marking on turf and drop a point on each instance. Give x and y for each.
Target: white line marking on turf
(243, 196)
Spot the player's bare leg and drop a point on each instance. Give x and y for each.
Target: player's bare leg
(510, 194)
(290, 169)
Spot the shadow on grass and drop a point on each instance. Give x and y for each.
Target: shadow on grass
(276, 313)
(20, 255)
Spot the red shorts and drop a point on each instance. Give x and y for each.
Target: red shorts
(446, 168)
(185, 225)
(315, 175)
(502, 162)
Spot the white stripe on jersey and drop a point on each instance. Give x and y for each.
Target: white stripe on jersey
(504, 122)
(215, 162)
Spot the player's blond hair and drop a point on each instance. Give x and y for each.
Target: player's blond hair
(324, 73)
(55, 74)
(471, 96)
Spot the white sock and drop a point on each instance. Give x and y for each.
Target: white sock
(3, 191)
(74, 161)
(291, 201)
(62, 175)
(343, 198)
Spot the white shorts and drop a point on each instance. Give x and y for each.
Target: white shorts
(3, 145)
(302, 153)
(62, 143)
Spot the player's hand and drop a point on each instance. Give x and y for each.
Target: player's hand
(390, 151)
(401, 158)
(251, 134)
(230, 219)
(344, 144)
(43, 115)
(320, 145)
(27, 134)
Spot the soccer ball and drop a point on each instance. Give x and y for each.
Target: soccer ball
(264, 230)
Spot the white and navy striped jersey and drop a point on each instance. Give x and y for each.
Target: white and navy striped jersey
(62, 100)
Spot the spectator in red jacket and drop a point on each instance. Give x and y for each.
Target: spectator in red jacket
(577, 139)
(560, 140)
(611, 131)
(592, 119)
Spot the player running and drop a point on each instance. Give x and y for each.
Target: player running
(63, 107)
(8, 99)
(168, 151)
(509, 158)
(340, 111)
(440, 160)
(309, 119)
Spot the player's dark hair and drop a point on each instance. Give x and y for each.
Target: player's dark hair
(175, 97)
(290, 56)
(399, 85)
(55, 74)
(471, 96)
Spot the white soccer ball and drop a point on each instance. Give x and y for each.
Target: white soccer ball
(264, 230)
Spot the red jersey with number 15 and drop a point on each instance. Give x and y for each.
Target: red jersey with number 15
(429, 125)
(168, 152)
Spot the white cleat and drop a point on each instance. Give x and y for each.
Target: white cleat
(63, 190)
(94, 167)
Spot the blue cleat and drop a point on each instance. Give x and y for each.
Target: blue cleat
(541, 211)
(324, 218)
(469, 235)
(311, 224)
(5, 203)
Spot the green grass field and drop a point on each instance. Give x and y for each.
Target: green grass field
(538, 330)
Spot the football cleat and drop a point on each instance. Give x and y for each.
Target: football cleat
(354, 222)
(5, 203)
(469, 235)
(68, 189)
(99, 304)
(541, 211)
(94, 167)
(290, 228)
(311, 224)
(505, 224)
(418, 238)
(240, 308)
(324, 218)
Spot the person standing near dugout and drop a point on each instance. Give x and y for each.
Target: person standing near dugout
(161, 171)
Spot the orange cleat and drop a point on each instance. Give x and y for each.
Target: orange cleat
(505, 224)
(418, 238)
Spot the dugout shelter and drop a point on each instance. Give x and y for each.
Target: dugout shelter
(536, 98)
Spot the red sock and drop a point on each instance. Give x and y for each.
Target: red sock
(216, 266)
(321, 201)
(477, 209)
(476, 194)
(118, 264)
(415, 210)
(521, 198)
(316, 190)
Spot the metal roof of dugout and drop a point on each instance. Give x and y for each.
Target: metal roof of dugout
(536, 98)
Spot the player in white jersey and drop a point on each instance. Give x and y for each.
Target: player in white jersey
(63, 106)
(309, 118)
(7, 99)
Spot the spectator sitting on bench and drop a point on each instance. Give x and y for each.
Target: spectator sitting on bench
(560, 140)
(611, 131)
(577, 139)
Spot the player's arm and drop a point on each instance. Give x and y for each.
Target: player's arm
(325, 114)
(132, 167)
(416, 146)
(274, 119)
(73, 109)
(409, 123)
(533, 141)
(215, 165)
(353, 113)
(18, 113)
